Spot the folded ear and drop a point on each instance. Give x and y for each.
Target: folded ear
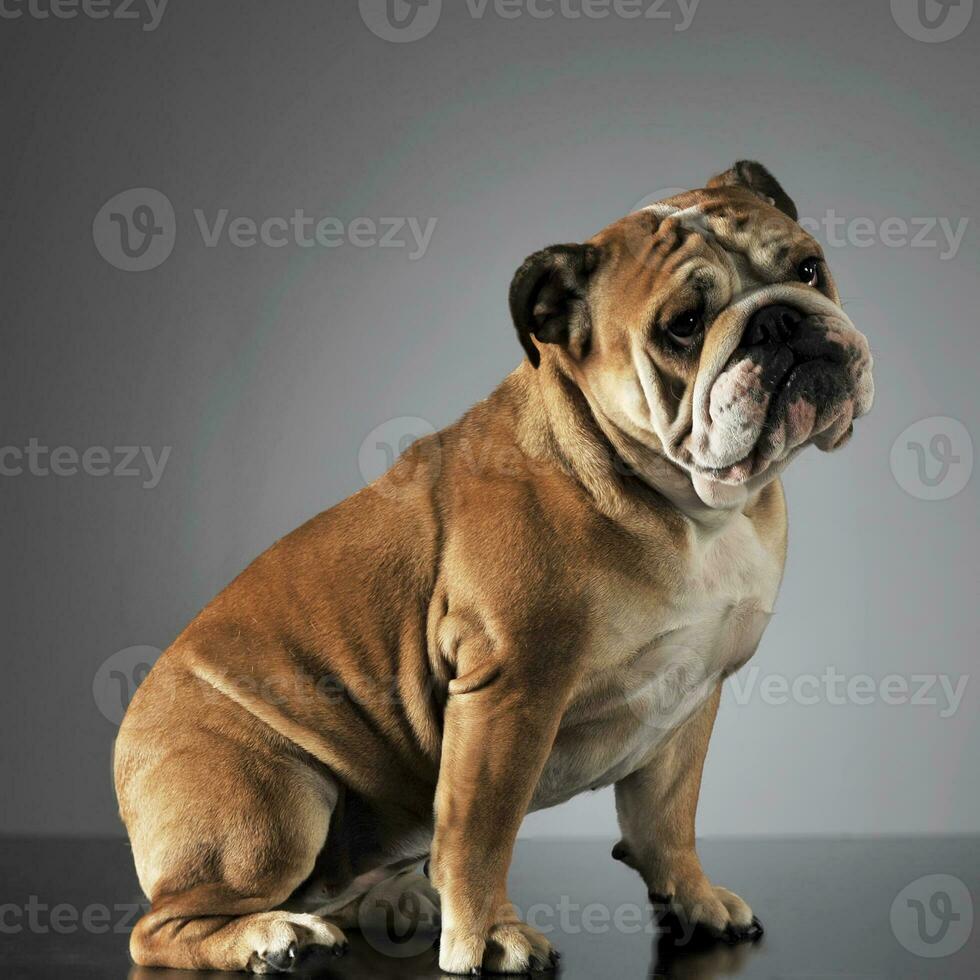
(755, 177)
(549, 299)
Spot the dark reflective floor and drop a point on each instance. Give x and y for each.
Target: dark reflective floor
(893, 909)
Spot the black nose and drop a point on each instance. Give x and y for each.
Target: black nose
(772, 325)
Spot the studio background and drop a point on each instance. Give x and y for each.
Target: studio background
(267, 369)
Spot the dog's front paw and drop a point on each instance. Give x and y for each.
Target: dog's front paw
(685, 903)
(509, 947)
(706, 909)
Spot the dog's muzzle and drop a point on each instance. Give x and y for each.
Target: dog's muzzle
(786, 368)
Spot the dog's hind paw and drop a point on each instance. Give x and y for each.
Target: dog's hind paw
(279, 941)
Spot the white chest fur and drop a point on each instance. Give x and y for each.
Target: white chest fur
(653, 657)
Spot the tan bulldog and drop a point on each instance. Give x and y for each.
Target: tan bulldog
(541, 599)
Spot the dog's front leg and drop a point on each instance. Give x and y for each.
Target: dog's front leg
(498, 732)
(656, 806)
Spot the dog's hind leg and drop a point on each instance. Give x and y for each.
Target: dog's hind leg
(259, 942)
(223, 829)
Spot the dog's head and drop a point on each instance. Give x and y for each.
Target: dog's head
(707, 328)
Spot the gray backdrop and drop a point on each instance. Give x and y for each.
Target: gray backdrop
(265, 368)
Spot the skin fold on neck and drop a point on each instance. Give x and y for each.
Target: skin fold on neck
(607, 458)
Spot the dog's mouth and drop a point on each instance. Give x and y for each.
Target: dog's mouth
(771, 399)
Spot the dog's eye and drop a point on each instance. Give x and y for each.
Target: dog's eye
(685, 328)
(810, 271)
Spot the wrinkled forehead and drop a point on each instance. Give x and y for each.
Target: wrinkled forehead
(723, 226)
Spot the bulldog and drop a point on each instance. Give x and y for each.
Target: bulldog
(543, 598)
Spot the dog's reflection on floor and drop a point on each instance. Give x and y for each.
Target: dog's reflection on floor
(671, 960)
(698, 960)
(362, 962)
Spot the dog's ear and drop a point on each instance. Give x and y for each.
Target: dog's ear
(549, 299)
(754, 177)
